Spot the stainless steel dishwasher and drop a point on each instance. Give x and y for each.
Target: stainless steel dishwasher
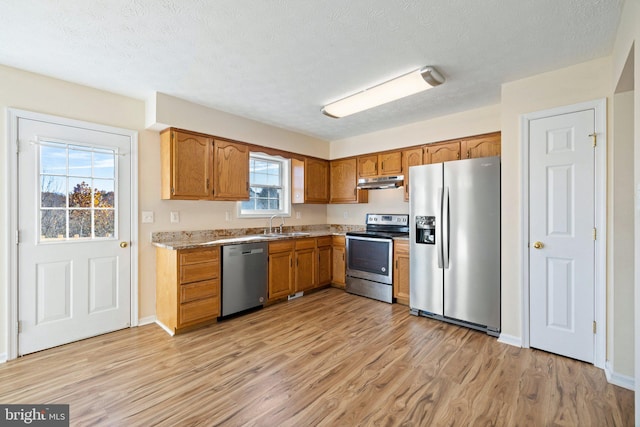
(244, 277)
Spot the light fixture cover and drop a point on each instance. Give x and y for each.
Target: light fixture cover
(400, 87)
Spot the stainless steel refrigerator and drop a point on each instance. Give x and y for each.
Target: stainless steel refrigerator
(455, 242)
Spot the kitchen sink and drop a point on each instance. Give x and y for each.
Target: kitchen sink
(239, 239)
(291, 234)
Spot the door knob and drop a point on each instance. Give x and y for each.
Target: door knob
(538, 245)
(123, 244)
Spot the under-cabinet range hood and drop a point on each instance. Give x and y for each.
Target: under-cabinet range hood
(381, 182)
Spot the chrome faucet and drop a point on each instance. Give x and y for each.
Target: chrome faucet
(271, 223)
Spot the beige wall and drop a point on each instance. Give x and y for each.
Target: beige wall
(583, 82)
(22, 90)
(472, 122)
(620, 226)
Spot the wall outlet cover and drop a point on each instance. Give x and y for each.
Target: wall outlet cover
(147, 217)
(175, 217)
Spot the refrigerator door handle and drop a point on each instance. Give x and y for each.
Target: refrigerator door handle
(445, 227)
(439, 231)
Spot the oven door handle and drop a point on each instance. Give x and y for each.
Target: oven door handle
(445, 227)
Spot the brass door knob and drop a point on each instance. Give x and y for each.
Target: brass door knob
(538, 245)
(123, 244)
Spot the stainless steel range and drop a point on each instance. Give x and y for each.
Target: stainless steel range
(370, 256)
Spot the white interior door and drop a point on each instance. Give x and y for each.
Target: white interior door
(561, 234)
(74, 257)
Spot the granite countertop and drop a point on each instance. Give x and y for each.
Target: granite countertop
(212, 238)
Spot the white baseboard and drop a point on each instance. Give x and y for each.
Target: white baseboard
(510, 339)
(169, 331)
(3, 357)
(146, 320)
(620, 380)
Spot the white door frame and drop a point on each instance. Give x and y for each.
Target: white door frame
(11, 277)
(600, 297)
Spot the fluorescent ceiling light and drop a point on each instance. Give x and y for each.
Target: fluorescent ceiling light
(408, 84)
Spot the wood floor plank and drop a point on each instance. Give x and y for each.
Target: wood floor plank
(327, 359)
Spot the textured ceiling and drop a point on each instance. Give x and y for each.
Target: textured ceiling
(280, 61)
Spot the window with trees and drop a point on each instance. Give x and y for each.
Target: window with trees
(77, 192)
(269, 188)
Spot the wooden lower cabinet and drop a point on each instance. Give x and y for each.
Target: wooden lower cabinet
(305, 264)
(401, 271)
(187, 287)
(323, 251)
(339, 252)
(299, 265)
(281, 269)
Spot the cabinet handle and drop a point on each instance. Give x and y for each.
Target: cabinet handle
(396, 263)
(468, 154)
(382, 167)
(207, 183)
(343, 256)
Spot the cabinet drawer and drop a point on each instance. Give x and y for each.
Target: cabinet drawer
(199, 290)
(286, 246)
(338, 240)
(305, 244)
(194, 256)
(197, 272)
(324, 241)
(199, 310)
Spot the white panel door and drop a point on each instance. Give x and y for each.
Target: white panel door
(561, 243)
(74, 259)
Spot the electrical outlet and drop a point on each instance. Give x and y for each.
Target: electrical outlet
(298, 215)
(345, 215)
(175, 217)
(147, 217)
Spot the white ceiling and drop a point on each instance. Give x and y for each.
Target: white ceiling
(280, 61)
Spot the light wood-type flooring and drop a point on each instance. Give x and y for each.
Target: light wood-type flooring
(329, 358)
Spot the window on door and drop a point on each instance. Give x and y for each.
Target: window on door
(76, 192)
(269, 189)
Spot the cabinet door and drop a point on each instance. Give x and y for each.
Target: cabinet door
(410, 158)
(401, 271)
(438, 153)
(324, 265)
(280, 274)
(316, 180)
(305, 266)
(390, 163)
(186, 165)
(231, 171)
(368, 166)
(343, 181)
(482, 146)
(339, 260)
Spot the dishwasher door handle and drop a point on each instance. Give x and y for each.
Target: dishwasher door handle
(253, 251)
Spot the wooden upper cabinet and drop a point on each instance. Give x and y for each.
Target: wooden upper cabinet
(380, 164)
(390, 163)
(185, 165)
(343, 182)
(231, 171)
(481, 146)
(410, 158)
(367, 166)
(316, 180)
(438, 153)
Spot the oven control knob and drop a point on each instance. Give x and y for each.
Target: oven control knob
(384, 269)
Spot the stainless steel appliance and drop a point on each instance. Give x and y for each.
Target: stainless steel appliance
(455, 242)
(370, 256)
(244, 277)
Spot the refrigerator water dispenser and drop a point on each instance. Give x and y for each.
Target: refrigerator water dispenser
(426, 230)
